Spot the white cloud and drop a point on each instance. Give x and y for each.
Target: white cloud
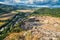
(41, 0)
(24, 1)
(2, 2)
(30, 1)
(54, 0)
(48, 0)
(17, 1)
(39, 5)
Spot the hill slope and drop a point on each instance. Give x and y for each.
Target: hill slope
(42, 24)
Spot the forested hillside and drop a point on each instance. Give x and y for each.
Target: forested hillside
(48, 12)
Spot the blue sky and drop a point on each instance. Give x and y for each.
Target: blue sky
(42, 3)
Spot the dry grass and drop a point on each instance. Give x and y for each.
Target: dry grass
(49, 27)
(52, 23)
(25, 11)
(8, 14)
(25, 35)
(1, 23)
(14, 36)
(6, 18)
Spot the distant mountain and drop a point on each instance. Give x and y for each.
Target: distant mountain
(8, 8)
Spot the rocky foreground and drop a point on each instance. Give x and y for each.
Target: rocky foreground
(38, 28)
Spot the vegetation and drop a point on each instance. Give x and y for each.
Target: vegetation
(55, 12)
(11, 25)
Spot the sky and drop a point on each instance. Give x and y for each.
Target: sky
(42, 3)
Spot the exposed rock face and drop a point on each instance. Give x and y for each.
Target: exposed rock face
(41, 21)
(41, 28)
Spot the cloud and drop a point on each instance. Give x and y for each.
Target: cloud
(17, 1)
(55, 0)
(40, 0)
(38, 5)
(24, 1)
(30, 1)
(2, 2)
(14, 2)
